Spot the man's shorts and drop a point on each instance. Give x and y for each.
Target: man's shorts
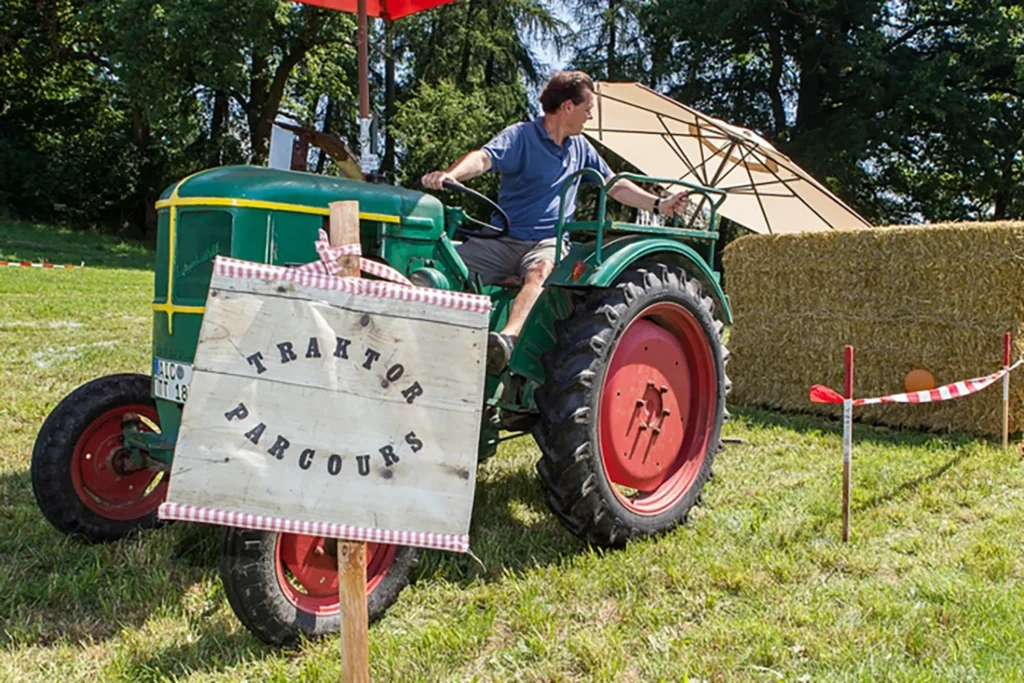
(497, 258)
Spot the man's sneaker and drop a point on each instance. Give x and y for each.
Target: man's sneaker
(499, 351)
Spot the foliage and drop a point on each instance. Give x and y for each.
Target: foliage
(438, 124)
(911, 111)
(104, 103)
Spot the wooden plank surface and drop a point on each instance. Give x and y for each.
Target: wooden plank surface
(341, 344)
(380, 431)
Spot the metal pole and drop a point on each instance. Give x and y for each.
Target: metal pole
(389, 101)
(364, 69)
(1006, 390)
(367, 160)
(847, 441)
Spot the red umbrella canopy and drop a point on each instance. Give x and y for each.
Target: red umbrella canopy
(385, 9)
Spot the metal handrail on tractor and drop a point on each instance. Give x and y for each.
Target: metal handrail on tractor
(714, 196)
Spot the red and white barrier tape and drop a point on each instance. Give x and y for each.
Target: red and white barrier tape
(822, 394)
(29, 264)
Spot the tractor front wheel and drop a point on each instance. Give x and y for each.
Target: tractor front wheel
(632, 407)
(83, 477)
(285, 586)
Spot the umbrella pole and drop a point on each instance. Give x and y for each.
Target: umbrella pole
(367, 160)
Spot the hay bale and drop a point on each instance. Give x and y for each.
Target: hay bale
(936, 297)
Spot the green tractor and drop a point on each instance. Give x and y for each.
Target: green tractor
(619, 374)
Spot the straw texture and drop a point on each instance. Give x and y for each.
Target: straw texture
(936, 297)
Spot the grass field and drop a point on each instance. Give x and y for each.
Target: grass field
(756, 588)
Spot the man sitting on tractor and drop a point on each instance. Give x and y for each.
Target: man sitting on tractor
(534, 159)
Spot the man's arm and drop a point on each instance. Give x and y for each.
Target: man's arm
(471, 165)
(631, 194)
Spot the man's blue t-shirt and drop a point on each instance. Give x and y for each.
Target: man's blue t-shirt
(532, 168)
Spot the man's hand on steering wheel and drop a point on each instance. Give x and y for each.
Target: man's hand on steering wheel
(438, 180)
(434, 179)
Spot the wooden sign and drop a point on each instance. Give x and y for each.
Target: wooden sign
(333, 406)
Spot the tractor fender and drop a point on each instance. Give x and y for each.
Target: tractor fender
(618, 254)
(555, 302)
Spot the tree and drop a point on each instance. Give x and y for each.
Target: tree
(909, 111)
(963, 155)
(140, 95)
(470, 69)
(611, 43)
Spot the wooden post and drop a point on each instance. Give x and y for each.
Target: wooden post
(1006, 390)
(355, 641)
(344, 229)
(355, 646)
(847, 441)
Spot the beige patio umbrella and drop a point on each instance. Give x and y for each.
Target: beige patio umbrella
(766, 191)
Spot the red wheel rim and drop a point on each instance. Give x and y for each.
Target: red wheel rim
(100, 468)
(307, 570)
(658, 406)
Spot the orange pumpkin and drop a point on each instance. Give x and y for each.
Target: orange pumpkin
(919, 380)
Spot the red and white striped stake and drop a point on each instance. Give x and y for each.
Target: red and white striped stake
(847, 441)
(1006, 390)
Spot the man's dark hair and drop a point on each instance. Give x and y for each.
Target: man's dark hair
(565, 85)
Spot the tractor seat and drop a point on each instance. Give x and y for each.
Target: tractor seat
(510, 282)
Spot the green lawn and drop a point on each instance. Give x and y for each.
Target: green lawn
(757, 586)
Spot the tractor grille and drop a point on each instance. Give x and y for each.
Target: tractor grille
(201, 235)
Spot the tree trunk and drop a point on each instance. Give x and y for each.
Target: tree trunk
(435, 27)
(217, 125)
(259, 131)
(144, 212)
(467, 50)
(265, 99)
(321, 160)
(775, 78)
(489, 70)
(808, 108)
(1001, 204)
(612, 69)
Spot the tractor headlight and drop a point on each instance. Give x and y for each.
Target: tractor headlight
(429, 277)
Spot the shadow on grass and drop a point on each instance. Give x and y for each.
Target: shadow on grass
(881, 436)
(513, 532)
(912, 484)
(832, 517)
(36, 243)
(57, 588)
(215, 651)
(63, 590)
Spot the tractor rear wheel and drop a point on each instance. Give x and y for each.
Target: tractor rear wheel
(632, 407)
(284, 587)
(82, 475)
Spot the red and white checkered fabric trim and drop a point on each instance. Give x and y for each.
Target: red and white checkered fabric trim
(822, 394)
(329, 261)
(243, 520)
(229, 267)
(29, 264)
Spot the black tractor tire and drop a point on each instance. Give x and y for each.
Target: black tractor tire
(603, 499)
(78, 474)
(252, 571)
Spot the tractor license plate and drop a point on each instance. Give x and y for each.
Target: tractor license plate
(171, 379)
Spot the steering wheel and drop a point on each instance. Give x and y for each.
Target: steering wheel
(484, 230)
